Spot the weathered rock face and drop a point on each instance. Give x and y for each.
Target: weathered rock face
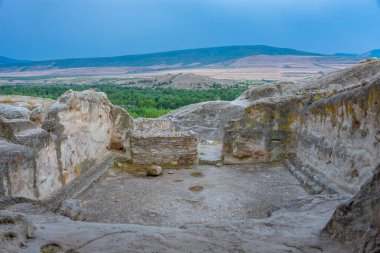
(121, 131)
(358, 222)
(266, 133)
(155, 141)
(80, 124)
(28, 160)
(330, 122)
(206, 119)
(77, 130)
(340, 136)
(16, 231)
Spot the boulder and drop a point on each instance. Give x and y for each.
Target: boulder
(154, 171)
(13, 112)
(71, 208)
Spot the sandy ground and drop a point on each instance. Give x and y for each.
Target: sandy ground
(191, 196)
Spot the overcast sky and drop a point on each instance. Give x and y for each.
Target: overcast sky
(47, 29)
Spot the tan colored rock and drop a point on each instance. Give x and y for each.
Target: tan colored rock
(83, 128)
(154, 171)
(357, 222)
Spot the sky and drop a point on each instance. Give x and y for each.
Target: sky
(55, 29)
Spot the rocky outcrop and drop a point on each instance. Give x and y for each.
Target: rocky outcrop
(80, 125)
(121, 131)
(333, 115)
(28, 160)
(266, 133)
(340, 137)
(207, 119)
(357, 222)
(69, 136)
(77, 130)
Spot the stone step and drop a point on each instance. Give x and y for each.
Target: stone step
(308, 177)
(305, 181)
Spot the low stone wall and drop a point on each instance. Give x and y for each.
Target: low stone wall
(155, 141)
(180, 149)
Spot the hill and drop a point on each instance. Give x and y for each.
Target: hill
(191, 57)
(6, 60)
(371, 54)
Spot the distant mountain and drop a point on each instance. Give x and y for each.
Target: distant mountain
(345, 55)
(6, 60)
(191, 57)
(370, 54)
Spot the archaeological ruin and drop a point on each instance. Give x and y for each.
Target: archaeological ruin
(287, 167)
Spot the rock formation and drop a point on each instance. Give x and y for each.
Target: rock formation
(207, 119)
(358, 221)
(331, 123)
(77, 131)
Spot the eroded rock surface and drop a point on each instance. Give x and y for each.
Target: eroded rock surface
(207, 119)
(16, 231)
(77, 130)
(357, 222)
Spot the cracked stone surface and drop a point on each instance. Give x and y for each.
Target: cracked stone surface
(229, 192)
(293, 228)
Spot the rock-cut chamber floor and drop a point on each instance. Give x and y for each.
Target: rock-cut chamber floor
(202, 194)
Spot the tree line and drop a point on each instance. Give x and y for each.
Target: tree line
(139, 102)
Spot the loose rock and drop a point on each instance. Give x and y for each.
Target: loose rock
(154, 171)
(71, 208)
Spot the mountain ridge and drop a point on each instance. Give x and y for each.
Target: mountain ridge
(372, 53)
(7, 60)
(200, 56)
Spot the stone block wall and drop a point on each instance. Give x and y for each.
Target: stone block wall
(179, 149)
(155, 141)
